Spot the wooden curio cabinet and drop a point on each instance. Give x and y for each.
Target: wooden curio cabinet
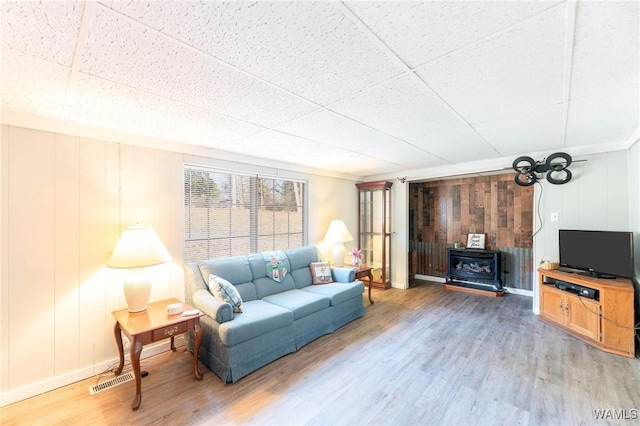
(374, 229)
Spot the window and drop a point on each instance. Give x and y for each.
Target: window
(229, 214)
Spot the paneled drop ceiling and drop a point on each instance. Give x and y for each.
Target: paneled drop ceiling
(358, 88)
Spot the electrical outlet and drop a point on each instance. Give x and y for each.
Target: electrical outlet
(554, 216)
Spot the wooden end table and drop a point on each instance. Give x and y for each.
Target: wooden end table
(152, 325)
(366, 271)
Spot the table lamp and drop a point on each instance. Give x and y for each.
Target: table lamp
(138, 248)
(338, 234)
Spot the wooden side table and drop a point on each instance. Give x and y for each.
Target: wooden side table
(366, 271)
(153, 325)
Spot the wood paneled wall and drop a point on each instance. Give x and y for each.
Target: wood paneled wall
(443, 212)
(446, 211)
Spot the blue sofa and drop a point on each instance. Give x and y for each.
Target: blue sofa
(277, 317)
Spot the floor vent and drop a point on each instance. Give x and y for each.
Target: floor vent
(118, 380)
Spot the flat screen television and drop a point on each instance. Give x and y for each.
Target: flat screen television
(601, 254)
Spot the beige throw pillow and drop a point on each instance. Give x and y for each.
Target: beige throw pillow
(321, 273)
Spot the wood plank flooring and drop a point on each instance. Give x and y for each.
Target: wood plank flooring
(420, 356)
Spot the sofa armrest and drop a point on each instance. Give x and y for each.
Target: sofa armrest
(220, 311)
(343, 274)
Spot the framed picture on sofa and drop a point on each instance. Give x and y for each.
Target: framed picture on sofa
(321, 272)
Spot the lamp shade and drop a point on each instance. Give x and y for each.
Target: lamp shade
(138, 246)
(338, 232)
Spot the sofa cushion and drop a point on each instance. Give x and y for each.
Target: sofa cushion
(302, 277)
(301, 303)
(266, 286)
(299, 260)
(338, 292)
(257, 318)
(320, 273)
(301, 257)
(224, 291)
(258, 263)
(235, 270)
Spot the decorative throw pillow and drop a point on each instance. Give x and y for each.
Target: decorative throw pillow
(276, 264)
(224, 291)
(321, 273)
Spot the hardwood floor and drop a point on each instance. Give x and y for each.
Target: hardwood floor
(420, 356)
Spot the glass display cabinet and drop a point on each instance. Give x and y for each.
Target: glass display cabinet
(374, 229)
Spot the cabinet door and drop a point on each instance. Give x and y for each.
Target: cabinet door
(583, 317)
(552, 304)
(374, 229)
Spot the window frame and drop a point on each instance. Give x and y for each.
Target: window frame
(256, 235)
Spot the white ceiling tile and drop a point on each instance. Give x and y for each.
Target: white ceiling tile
(607, 117)
(402, 107)
(155, 123)
(211, 124)
(512, 73)
(308, 48)
(46, 30)
(282, 147)
(119, 105)
(410, 111)
(125, 116)
(606, 54)
(32, 85)
(456, 143)
(121, 50)
(539, 130)
(123, 107)
(339, 131)
(229, 74)
(422, 31)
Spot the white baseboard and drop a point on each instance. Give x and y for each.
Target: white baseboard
(430, 278)
(519, 291)
(511, 290)
(16, 395)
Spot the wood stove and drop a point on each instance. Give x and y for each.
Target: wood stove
(481, 269)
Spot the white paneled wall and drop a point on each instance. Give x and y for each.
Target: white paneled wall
(65, 200)
(4, 258)
(66, 253)
(596, 198)
(634, 213)
(31, 267)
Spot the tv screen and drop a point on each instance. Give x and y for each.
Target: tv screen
(604, 254)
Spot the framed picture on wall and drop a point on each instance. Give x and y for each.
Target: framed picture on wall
(475, 241)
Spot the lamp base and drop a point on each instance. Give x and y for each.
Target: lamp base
(136, 292)
(338, 252)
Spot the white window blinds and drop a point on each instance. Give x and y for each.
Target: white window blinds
(229, 214)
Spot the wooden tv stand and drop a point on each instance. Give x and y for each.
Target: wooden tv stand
(606, 323)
